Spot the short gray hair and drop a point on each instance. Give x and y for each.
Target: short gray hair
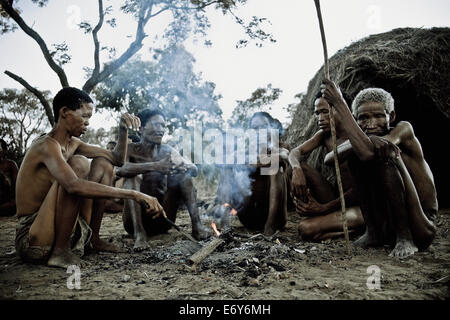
(373, 95)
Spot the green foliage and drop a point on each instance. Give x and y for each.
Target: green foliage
(100, 137)
(168, 83)
(21, 120)
(260, 100)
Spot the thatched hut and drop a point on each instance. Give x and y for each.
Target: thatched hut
(414, 66)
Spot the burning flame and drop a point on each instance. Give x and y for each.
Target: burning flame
(233, 211)
(213, 225)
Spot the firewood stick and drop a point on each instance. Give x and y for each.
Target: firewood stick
(205, 251)
(333, 131)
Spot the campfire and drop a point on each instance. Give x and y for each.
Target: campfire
(219, 217)
(220, 220)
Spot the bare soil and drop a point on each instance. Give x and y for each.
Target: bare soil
(250, 267)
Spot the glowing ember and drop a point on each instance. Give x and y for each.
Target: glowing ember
(233, 211)
(213, 225)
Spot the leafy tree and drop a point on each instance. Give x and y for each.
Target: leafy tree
(100, 137)
(169, 83)
(187, 17)
(260, 100)
(20, 119)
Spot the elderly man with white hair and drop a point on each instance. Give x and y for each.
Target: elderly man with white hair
(395, 184)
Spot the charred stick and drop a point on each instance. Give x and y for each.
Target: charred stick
(205, 251)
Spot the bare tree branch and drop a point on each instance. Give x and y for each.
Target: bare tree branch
(33, 34)
(37, 93)
(101, 16)
(135, 46)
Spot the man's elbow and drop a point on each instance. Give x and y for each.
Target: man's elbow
(73, 187)
(118, 162)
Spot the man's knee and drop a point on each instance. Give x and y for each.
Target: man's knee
(102, 170)
(307, 229)
(80, 165)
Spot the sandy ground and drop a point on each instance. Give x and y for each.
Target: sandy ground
(282, 268)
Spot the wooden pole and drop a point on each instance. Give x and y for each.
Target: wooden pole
(333, 131)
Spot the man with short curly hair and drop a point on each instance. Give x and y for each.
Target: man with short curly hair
(395, 183)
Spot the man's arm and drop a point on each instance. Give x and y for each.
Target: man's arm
(360, 142)
(313, 208)
(296, 156)
(383, 147)
(54, 161)
(131, 169)
(344, 150)
(172, 163)
(118, 155)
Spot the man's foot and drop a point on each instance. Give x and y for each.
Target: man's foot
(200, 233)
(100, 245)
(366, 241)
(141, 243)
(63, 259)
(269, 230)
(403, 248)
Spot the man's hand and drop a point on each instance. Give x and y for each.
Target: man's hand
(331, 93)
(151, 205)
(298, 184)
(384, 149)
(311, 207)
(165, 165)
(182, 165)
(129, 121)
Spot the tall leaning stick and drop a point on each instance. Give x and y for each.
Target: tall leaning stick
(333, 132)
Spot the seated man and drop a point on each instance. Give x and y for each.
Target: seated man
(52, 186)
(165, 175)
(315, 197)
(259, 199)
(8, 176)
(398, 196)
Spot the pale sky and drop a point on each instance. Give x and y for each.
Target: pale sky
(289, 64)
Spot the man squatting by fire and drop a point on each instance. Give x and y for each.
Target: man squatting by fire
(394, 182)
(56, 211)
(259, 198)
(157, 169)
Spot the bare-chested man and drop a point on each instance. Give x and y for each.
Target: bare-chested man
(165, 175)
(398, 195)
(52, 186)
(314, 196)
(8, 176)
(264, 206)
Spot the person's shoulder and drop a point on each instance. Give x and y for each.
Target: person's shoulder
(406, 128)
(405, 124)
